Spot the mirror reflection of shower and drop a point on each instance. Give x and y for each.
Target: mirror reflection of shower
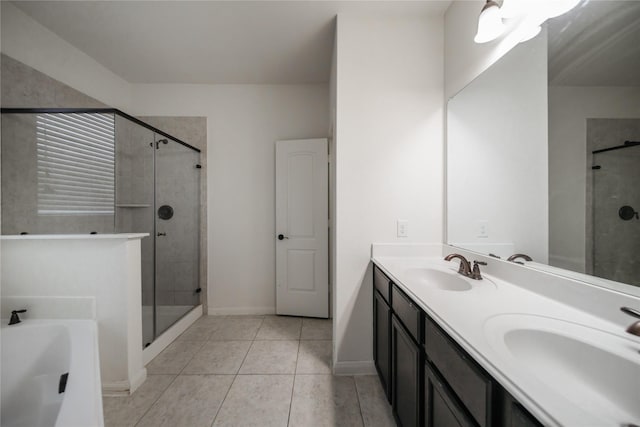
(614, 196)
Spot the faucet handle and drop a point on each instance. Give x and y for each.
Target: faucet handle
(14, 316)
(631, 311)
(475, 274)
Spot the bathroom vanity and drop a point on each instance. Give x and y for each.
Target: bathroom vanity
(452, 351)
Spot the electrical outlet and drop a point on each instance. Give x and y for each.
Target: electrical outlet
(483, 229)
(403, 228)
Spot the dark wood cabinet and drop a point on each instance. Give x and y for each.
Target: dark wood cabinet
(441, 406)
(408, 312)
(514, 415)
(472, 386)
(430, 379)
(382, 341)
(406, 361)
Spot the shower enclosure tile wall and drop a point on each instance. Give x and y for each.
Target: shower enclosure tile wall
(102, 171)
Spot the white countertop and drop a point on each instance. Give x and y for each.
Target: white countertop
(466, 317)
(126, 236)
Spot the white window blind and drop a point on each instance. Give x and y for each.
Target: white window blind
(76, 160)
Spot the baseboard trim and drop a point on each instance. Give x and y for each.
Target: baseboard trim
(124, 388)
(221, 311)
(137, 380)
(365, 367)
(170, 335)
(116, 388)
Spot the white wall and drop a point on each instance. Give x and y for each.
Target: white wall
(29, 42)
(464, 59)
(569, 107)
(389, 158)
(243, 121)
(105, 267)
(497, 156)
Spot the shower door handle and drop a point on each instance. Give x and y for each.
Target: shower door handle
(162, 234)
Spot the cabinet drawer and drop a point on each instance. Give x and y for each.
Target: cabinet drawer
(382, 283)
(408, 312)
(472, 386)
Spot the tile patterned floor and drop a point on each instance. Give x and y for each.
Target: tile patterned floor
(250, 371)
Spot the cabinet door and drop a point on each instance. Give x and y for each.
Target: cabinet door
(441, 406)
(382, 341)
(514, 415)
(406, 376)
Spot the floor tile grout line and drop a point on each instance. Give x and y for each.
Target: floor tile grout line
(235, 376)
(155, 401)
(203, 343)
(223, 399)
(293, 386)
(355, 384)
(171, 383)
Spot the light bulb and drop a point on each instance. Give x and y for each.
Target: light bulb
(490, 24)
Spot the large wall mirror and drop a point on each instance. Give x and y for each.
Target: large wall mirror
(543, 150)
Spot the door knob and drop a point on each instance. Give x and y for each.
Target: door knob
(162, 234)
(282, 236)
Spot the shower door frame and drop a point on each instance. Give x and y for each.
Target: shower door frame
(95, 110)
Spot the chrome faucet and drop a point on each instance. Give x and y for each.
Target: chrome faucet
(634, 329)
(514, 257)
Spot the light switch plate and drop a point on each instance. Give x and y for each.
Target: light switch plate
(403, 228)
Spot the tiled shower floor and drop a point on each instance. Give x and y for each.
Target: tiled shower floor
(250, 371)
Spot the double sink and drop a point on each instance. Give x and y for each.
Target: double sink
(576, 372)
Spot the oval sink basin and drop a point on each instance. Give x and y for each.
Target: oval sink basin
(597, 371)
(448, 281)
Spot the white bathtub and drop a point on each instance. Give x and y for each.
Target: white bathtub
(35, 353)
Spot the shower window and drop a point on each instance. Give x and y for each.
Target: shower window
(75, 164)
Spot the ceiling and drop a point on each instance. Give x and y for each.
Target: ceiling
(223, 42)
(596, 44)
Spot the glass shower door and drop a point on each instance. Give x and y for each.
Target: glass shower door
(134, 204)
(616, 225)
(177, 229)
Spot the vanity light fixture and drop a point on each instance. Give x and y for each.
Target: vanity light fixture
(490, 25)
(522, 18)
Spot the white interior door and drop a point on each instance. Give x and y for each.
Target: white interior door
(302, 238)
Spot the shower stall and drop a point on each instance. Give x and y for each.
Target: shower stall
(96, 171)
(615, 199)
